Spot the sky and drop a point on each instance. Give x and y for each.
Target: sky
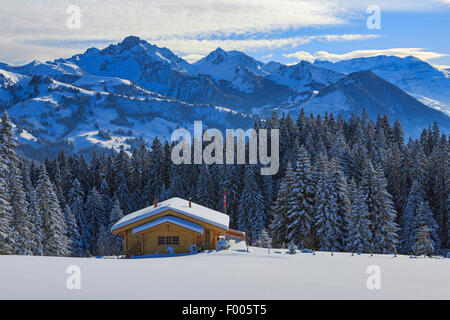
(286, 31)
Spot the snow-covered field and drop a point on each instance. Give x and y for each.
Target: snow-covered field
(231, 274)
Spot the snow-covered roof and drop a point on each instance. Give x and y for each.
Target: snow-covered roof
(174, 220)
(181, 206)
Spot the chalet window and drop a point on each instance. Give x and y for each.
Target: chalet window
(169, 241)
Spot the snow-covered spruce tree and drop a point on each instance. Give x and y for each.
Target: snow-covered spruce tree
(381, 210)
(301, 203)
(264, 240)
(95, 217)
(268, 183)
(251, 215)
(23, 221)
(408, 220)
(76, 244)
(360, 154)
(424, 218)
(33, 215)
(96, 170)
(341, 151)
(58, 187)
(448, 221)
(106, 199)
(439, 182)
(116, 242)
(8, 144)
(204, 189)
(379, 148)
(328, 223)
(56, 242)
(292, 248)
(156, 165)
(136, 175)
(423, 245)
(385, 227)
(36, 221)
(7, 233)
(103, 246)
(231, 183)
(342, 194)
(280, 208)
(76, 205)
(358, 237)
(121, 176)
(392, 172)
(7, 238)
(177, 186)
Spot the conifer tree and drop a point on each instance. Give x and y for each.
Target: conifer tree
(7, 238)
(121, 176)
(358, 236)
(381, 210)
(21, 224)
(56, 242)
(424, 218)
(76, 244)
(407, 222)
(281, 207)
(95, 216)
(342, 194)
(7, 234)
(301, 202)
(156, 166)
(231, 184)
(204, 189)
(103, 246)
(264, 240)
(116, 242)
(423, 244)
(36, 223)
(328, 224)
(251, 214)
(76, 205)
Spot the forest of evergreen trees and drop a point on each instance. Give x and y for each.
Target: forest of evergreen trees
(343, 185)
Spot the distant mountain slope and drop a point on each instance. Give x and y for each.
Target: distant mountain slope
(365, 90)
(223, 65)
(423, 81)
(134, 89)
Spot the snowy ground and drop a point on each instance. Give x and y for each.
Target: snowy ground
(231, 274)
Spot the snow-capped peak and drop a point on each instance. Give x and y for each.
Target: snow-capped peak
(426, 83)
(223, 65)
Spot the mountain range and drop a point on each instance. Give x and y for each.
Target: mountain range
(133, 89)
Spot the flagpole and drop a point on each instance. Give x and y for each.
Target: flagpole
(225, 201)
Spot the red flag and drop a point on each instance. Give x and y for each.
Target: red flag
(225, 199)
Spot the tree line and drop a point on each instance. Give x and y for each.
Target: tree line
(343, 185)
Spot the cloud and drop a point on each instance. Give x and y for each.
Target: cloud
(352, 6)
(399, 52)
(20, 53)
(301, 55)
(114, 19)
(267, 56)
(190, 27)
(447, 2)
(193, 47)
